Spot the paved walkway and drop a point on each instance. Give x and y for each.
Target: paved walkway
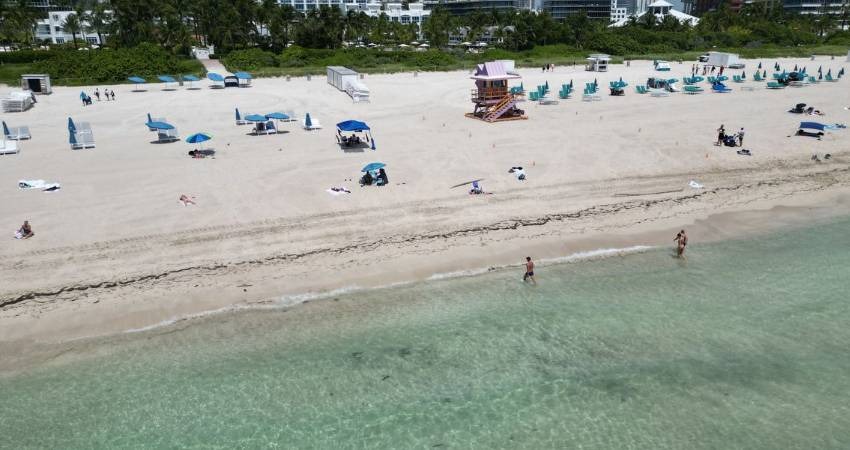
(214, 65)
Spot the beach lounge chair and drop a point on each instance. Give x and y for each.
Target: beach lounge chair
(692, 89)
(534, 96)
(16, 133)
(9, 148)
(737, 79)
(82, 140)
(757, 77)
(775, 85)
(314, 124)
(828, 77)
(720, 88)
(163, 136)
(712, 80)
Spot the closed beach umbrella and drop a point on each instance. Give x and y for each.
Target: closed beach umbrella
(197, 138)
(764, 75)
(744, 74)
(373, 144)
(820, 75)
(820, 69)
(308, 122)
(759, 67)
(571, 84)
(238, 116)
(795, 67)
(160, 125)
(829, 73)
(71, 127)
(255, 118)
(5, 129)
(72, 138)
(547, 85)
(373, 166)
(149, 118)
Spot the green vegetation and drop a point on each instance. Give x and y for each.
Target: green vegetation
(79, 67)
(297, 61)
(268, 38)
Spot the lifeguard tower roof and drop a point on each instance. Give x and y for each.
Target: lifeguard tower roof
(493, 70)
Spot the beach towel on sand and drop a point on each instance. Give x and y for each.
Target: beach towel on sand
(38, 184)
(695, 185)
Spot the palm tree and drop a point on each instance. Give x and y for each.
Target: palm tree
(99, 20)
(72, 25)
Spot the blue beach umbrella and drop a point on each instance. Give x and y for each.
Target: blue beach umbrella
(136, 80)
(5, 129)
(277, 116)
(160, 125)
(166, 79)
(373, 166)
(352, 125)
(243, 75)
(255, 118)
(308, 122)
(215, 77)
(197, 138)
(71, 127)
(238, 116)
(190, 78)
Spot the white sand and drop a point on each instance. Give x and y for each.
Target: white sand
(264, 217)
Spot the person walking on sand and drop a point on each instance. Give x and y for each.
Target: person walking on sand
(529, 270)
(681, 241)
(721, 133)
(97, 94)
(741, 137)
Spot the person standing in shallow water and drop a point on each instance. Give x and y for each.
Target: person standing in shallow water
(681, 241)
(529, 270)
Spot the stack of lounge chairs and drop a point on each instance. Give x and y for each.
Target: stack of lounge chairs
(775, 85)
(566, 91)
(590, 92)
(692, 89)
(641, 89)
(17, 101)
(81, 136)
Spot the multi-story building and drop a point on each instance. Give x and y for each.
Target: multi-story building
(618, 12)
(414, 14)
(595, 9)
(52, 29)
(460, 7)
(814, 7)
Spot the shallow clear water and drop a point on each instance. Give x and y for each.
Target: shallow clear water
(743, 346)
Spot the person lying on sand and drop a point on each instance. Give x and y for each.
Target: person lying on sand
(814, 112)
(25, 232)
(340, 189)
(186, 200)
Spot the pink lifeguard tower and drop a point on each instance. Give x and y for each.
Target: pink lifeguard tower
(494, 102)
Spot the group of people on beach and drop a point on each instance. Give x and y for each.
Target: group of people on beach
(727, 139)
(548, 67)
(705, 70)
(108, 94)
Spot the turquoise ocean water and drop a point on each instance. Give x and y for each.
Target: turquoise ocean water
(742, 346)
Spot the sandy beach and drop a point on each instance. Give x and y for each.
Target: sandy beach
(115, 250)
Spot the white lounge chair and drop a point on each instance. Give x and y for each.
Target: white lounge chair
(18, 133)
(314, 124)
(84, 140)
(167, 135)
(9, 148)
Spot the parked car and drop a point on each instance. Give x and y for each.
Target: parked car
(703, 58)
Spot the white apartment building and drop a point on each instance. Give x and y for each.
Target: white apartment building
(414, 14)
(52, 29)
(618, 13)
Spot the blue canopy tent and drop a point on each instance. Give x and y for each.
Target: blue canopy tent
(168, 80)
(353, 127)
(812, 126)
(191, 80)
(244, 78)
(218, 80)
(138, 81)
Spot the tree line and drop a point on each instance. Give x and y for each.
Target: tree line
(176, 25)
